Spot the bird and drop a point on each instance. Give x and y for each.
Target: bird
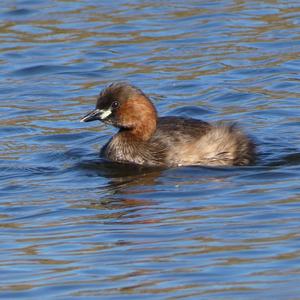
(146, 139)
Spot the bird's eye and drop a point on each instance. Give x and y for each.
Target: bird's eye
(115, 104)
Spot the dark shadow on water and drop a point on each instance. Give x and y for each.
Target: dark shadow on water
(291, 159)
(112, 170)
(123, 176)
(119, 175)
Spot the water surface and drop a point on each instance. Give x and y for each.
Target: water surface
(75, 227)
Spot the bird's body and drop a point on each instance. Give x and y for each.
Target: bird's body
(147, 140)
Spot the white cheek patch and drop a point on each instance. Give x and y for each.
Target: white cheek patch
(105, 113)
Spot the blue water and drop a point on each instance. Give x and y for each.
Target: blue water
(75, 227)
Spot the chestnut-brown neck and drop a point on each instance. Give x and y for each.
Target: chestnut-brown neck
(139, 117)
(143, 130)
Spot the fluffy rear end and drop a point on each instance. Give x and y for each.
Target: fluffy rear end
(220, 146)
(226, 146)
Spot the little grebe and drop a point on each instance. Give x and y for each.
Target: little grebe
(147, 140)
